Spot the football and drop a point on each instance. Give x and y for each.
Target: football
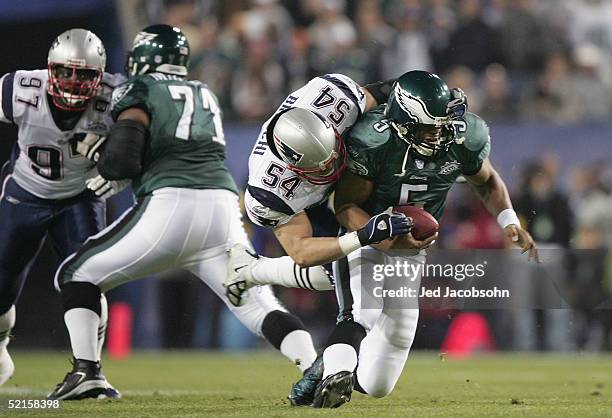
(425, 225)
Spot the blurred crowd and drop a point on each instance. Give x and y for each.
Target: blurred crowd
(546, 61)
(517, 59)
(570, 217)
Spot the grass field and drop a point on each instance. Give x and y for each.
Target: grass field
(190, 384)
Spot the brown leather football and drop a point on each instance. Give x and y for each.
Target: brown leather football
(425, 225)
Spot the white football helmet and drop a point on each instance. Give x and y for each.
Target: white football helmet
(309, 145)
(76, 63)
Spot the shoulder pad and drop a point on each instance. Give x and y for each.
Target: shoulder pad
(349, 87)
(477, 132)
(371, 130)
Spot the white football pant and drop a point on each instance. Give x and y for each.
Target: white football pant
(390, 330)
(172, 228)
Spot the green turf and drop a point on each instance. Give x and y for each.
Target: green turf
(186, 384)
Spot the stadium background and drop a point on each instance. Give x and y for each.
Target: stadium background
(539, 71)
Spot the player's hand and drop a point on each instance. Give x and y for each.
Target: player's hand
(523, 239)
(458, 105)
(106, 188)
(89, 147)
(408, 242)
(384, 226)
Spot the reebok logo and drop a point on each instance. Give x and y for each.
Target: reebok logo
(382, 226)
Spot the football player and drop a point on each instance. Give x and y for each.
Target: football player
(410, 151)
(292, 168)
(43, 189)
(168, 138)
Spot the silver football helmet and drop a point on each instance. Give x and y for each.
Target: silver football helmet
(76, 63)
(310, 146)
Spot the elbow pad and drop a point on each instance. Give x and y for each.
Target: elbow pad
(380, 90)
(124, 150)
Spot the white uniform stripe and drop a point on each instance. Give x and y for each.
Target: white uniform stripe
(4, 185)
(2, 115)
(98, 235)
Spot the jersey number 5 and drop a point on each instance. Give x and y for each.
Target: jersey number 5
(407, 190)
(185, 94)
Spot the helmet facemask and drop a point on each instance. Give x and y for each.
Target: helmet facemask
(422, 110)
(75, 63)
(427, 140)
(72, 86)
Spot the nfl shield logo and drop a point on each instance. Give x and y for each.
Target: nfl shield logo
(419, 164)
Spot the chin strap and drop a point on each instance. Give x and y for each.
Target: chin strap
(400, 132)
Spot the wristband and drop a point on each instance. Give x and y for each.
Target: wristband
(508, 217)
(349, 243)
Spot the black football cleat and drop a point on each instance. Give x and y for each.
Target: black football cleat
(303, 391)
(84, 381)
(110, 393)
(334, 391)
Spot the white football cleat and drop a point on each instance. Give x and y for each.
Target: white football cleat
(238, 276)
(7, 367)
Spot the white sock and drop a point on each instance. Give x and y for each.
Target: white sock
(83, 326)
(102, 326)
(7, 322)
(338, 358)
(284, 272)
(297, 346)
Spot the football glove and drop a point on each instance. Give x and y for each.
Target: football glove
(89, 147)
(384, 226)
(106, 188)
(458, 105)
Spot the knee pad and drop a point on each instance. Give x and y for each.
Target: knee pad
(81, 295)
(400, 327)
(347, 332)
(277, 325)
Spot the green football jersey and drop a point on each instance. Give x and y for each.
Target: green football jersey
(401, 178)
(186, 146)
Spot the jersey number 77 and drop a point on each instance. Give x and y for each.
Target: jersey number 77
(185, 93)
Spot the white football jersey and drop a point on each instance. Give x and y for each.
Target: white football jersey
(48, 165)
(274, 193)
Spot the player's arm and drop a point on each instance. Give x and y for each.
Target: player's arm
(294, 231)
(121, 157)
(351, 192)
(377, 93)
(6, 98)
(296, 238)
(493, 192)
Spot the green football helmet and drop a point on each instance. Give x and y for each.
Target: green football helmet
(159, 48)
(422, 111)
